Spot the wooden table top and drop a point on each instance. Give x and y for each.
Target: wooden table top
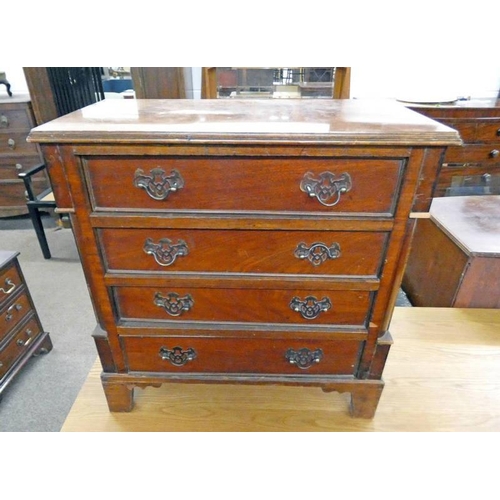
(331, 121)
(473, 222)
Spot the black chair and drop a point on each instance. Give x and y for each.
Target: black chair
(41, 202)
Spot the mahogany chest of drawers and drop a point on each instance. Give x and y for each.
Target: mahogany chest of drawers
(474, 167)
(243, 241)
(17, 155)
(21, 333)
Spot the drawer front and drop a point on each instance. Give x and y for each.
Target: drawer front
(469, 180)
(10, 283)
(11, 119)
(296, 357)
(244, 305)
(16, 144)
(466, 129)
(297, 252)
(489, 132)
(11, 167)
(13, 193)
(12, 313)
(367, 186)
(18, 345)
(473, 154)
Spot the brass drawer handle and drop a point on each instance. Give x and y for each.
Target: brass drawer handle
(494, 153)
(22, 343)
(317, 253)
(165, 251)
(303, 358)
(310, 307)
(177, 356)
(158, 184)
(173, 303)
(11, 143)
(11, 284)
(4, 121)
(327, 189)
(11, 309)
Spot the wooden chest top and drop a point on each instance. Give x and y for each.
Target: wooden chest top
(346, 122)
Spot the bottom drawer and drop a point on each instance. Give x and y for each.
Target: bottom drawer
(18, 345)
(241, 355)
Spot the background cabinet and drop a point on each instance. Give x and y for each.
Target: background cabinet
(17, 155)
(21, 333)
(474, 168)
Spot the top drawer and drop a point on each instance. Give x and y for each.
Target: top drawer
(11, 119)
(327, 185)
(10, 282)
(480, 131)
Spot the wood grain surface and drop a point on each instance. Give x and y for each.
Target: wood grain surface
(442, 374)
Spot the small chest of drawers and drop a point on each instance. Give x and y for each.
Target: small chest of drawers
(242, 241)
(474, 167)
(21, 333)
(17, 155)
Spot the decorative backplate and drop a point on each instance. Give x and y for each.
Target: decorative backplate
(173, 303)
(304, 358)
(177, 356)
(317, 253)
(328, 188)
(310, 307)
(158, 184)
(165, 251)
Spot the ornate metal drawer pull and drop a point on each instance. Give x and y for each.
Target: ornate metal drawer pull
(4, 121)
(177, 356)
(304, 358)
(11, 309)
(494, 153)
(173, 303)
(327, 187)
(310, 307)
(11, 143)
(165, 252)
(10, 283)
(158, 184)
(317, 253)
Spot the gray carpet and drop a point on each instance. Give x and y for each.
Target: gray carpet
(41, 396)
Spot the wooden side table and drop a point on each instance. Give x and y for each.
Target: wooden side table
(21, 332)
(455, 255)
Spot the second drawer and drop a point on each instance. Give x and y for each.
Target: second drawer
(12, 312)
(267, 252)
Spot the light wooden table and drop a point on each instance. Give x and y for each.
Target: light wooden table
(443, 374)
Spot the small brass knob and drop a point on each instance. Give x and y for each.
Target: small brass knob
(494, 153)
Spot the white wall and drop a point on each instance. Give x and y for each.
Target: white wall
(375, 81)
(15, 76)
